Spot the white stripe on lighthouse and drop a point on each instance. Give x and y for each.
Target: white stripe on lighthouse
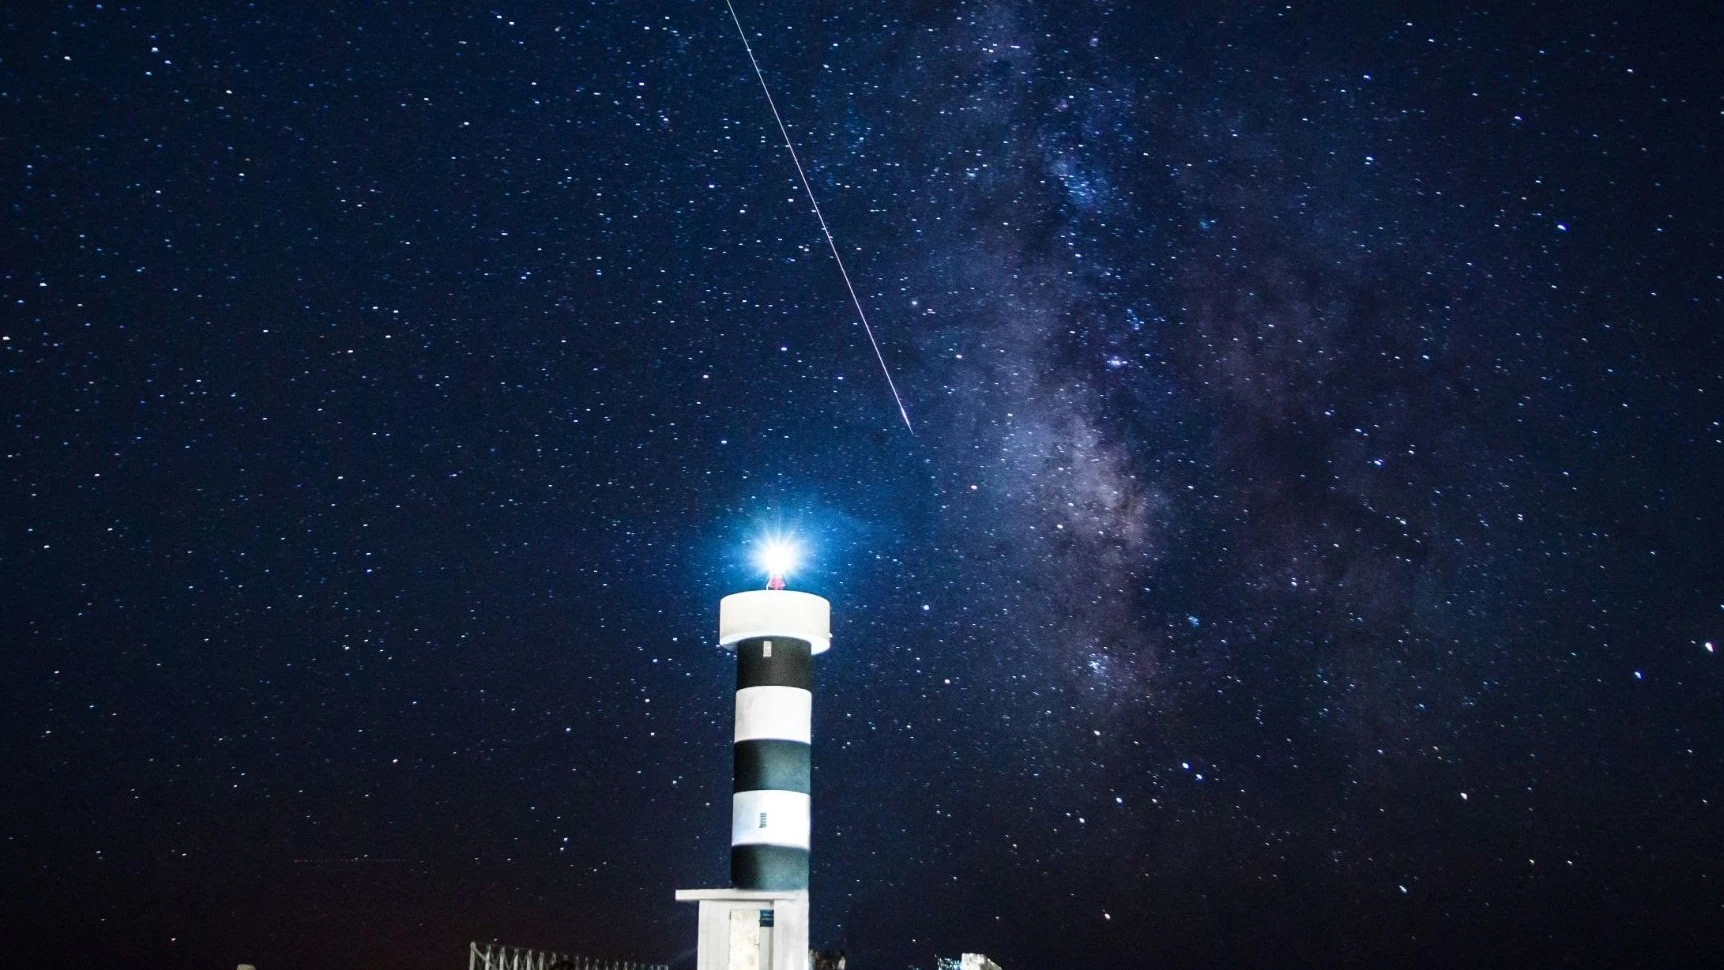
(785, 713)
(769, 818)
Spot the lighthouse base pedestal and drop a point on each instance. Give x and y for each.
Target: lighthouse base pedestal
(750, 929)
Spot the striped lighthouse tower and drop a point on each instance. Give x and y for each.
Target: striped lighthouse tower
(761, 921)
(775, 634)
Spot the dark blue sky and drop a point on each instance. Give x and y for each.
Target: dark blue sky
(1306, 553)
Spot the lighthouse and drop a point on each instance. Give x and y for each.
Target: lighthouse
(760, 922)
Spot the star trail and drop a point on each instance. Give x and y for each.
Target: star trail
(1307, 552)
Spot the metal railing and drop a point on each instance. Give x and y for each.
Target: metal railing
(496, 956)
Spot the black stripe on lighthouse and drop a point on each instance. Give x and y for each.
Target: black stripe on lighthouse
(772, 765)
(788, 662)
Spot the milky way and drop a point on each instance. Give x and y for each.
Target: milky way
(1304, 554)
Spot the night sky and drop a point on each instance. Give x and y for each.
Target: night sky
(1307, 551)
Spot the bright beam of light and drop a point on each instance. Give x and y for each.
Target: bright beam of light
(778, 556)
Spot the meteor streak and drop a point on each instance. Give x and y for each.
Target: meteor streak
(860, 313)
